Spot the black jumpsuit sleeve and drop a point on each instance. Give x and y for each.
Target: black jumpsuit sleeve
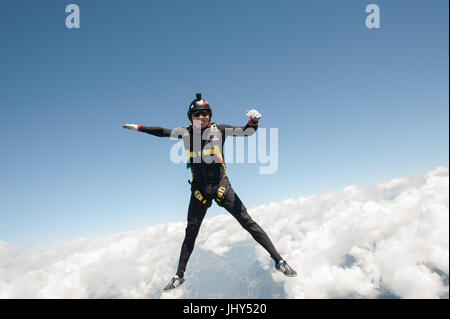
(246, 130)
(162, 132)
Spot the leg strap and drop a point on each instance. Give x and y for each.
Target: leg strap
(198, 195)
(222, 191)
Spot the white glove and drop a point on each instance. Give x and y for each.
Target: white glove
(254, 115)
(131, 126)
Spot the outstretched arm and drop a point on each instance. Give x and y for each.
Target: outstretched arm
(246, 130)
(153, 130)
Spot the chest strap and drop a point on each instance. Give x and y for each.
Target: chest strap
(211, 151)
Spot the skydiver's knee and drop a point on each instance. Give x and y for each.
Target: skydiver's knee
(192, 228)
(247, 222)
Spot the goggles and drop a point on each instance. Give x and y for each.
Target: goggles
(200, 112)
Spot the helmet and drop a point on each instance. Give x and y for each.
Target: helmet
(198, 104)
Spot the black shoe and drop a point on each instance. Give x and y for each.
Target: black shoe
(285, 269)
(174, 283)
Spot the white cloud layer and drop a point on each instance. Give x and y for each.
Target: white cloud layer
(388, 240)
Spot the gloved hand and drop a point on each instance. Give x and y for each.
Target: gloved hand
(254, 115)
(134, 127)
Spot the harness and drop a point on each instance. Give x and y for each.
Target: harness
(224, 184)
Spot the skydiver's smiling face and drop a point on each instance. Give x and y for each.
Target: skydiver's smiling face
(200, 119)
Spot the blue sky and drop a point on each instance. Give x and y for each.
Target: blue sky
(352, 105)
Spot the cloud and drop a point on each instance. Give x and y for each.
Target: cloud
(390, 240)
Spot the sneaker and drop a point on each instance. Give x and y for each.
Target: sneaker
(174, 283)
(285, 269)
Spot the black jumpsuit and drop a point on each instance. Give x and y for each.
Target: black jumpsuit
(208, 172)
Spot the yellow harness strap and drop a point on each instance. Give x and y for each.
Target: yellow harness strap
(212, 151)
